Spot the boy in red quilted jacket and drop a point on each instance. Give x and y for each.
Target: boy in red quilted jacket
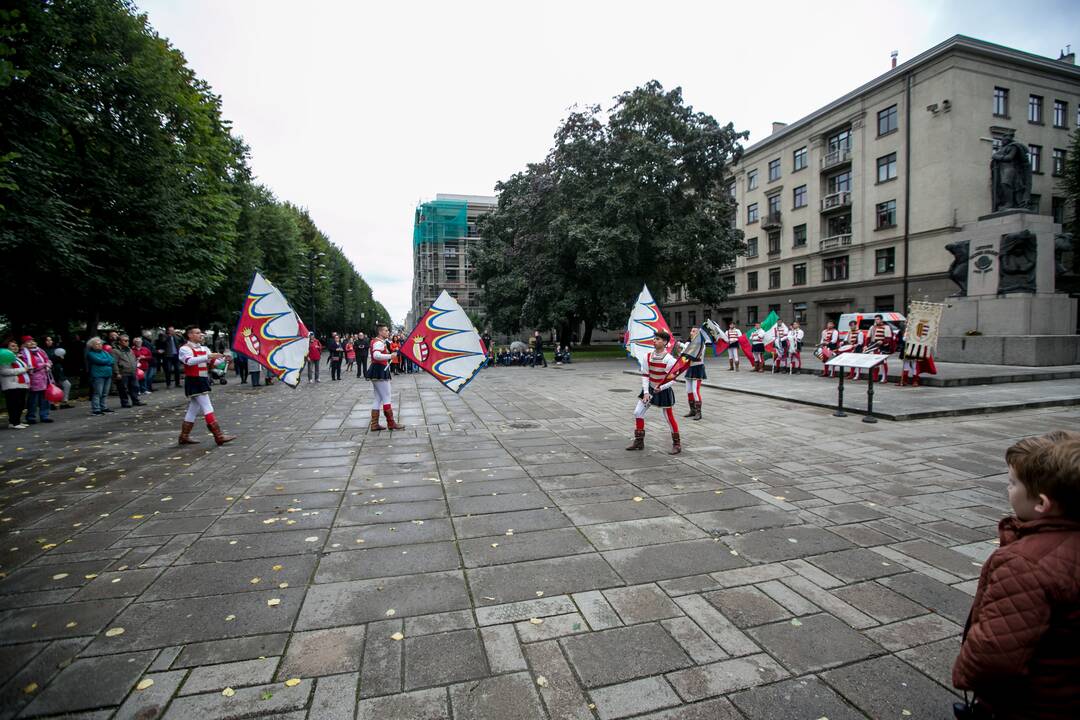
(1021, 650)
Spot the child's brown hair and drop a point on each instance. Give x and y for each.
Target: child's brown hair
(1050, 465)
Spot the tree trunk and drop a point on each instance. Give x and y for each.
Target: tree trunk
(586, 339)
(92, 320)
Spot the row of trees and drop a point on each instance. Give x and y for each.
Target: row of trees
(124, 195)
(633, 194)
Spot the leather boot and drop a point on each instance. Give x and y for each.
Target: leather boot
(736, 367)
(691, 413)
(676, 444)
(219, 437)
(374, 425)
(185, 433)
(903, 379)
(697, 410)
(638, 442)
(389, 413)
(915, 381)
(730, 364)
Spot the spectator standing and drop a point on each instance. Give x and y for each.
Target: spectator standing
(314, 357)
(101, 374)
(38, 363)
(144, 359)
(350, 354)
(171, 357)
(337, 356)
(60, 376)
(538, 349)
(252, 369)
(15, 382)
(361, 345)
(125, 372)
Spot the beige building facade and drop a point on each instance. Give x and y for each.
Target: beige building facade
(850, 208)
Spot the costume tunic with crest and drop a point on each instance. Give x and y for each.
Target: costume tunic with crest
(379, 368)
(654, 368)
(196, 361)
(696, 371)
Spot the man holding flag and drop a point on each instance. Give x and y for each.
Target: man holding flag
(656, 389)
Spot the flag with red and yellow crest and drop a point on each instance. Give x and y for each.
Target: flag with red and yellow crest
(445, 344)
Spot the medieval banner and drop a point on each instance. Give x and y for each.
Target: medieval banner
(645, 321)
(445, 344)
(921, 333)
(271, 333)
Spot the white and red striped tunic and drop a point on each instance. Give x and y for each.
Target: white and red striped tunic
(653, 371)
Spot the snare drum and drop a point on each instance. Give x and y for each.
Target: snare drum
(823, 353)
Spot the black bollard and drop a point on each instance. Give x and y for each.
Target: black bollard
(840, 396)
(869, 417)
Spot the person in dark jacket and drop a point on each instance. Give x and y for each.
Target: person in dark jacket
(1019, 655)
(361, 345)
(100, 364)
(126, 373)
(538, 350)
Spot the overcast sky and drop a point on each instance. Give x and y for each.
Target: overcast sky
(359, 110)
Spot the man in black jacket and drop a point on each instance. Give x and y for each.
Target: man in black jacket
(361, 345)
(539, 348)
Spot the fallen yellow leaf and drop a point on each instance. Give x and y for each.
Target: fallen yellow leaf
(536, 621)
(113, 632)
(144, 683)
(397, 636)
(638, 498)
(31, 688)
(541, 681)
(292, 682)
(276, 568)
(228, 692)
(391, 612)
(273, 602)
(254, 581)
(59, 576)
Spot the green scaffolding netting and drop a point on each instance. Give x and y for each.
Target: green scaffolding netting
(440, 220)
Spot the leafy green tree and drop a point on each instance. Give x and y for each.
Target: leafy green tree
(633, 195)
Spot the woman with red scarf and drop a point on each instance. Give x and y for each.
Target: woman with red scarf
(39, 364)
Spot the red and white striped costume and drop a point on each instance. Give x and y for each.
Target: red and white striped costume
(733, 335)
(882, 335)
(831, 340)
(654, 391)
(195, 359)
(796, 338)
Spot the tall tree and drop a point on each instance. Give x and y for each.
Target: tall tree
(633, 195)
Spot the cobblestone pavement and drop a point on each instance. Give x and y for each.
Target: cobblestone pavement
(504, 557)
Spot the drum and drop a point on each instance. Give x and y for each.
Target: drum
(823, 353)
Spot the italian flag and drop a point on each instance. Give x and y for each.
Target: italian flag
(769, 326)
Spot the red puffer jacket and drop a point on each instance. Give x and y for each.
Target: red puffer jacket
(1021, 653)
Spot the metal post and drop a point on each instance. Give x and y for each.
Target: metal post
(840, 396)
(869, 416)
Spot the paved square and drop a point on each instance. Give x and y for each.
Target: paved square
(503, 557)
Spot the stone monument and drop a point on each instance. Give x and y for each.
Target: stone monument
(1007, 310)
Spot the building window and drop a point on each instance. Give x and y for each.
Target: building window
(840, 182)
(838, 225)
(678, 319)
(452, 276)
(885, 260)
(691, 318)
(799, 312)
(800, 159)
(884, 303)
(751, 180)
(1035, 203)
(835, 268)
(799, 235)
(774, 278)
(887, 121)
(886, 214)
(1057, 209)
(751, 213)
(886, 168)
(774, 242)
(1035, 109)
(774, 207)
(751, 314)
(1058, 168)
(1001, 102)
(751, 281)
(751, 247)
(839, 140)
(1061, 114)
(800, 197)
(774, 169)
(798, 274)
(1035, 158)
(774, 308)
(731, 189)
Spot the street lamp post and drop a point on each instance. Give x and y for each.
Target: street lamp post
(313, 264)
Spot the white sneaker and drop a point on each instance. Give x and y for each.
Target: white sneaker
(21, 426)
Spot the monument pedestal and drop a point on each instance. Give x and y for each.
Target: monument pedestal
(1036, 327)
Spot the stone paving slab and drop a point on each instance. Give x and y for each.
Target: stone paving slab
(502, 557)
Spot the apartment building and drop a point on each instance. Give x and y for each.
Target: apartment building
(850, 208)
(443, 229)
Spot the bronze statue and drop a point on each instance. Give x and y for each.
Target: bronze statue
(1017, 255)
(1010, 174)
(958, 270)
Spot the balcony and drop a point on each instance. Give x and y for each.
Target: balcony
(771, 221)
(836, 201)
(835, 242)
(836, 157)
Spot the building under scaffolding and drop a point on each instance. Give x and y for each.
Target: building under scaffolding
(443, 228)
